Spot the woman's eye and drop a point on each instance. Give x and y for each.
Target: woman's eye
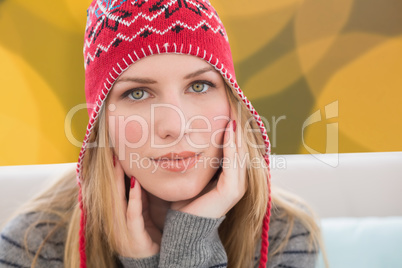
(199, 87)
(141, 94)
(137, 94)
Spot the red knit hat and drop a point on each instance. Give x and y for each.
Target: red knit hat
(120, 32)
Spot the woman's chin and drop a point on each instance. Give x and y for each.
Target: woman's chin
(176, 194)
(178, 188)
(176, 197)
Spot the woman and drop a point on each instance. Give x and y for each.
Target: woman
(173, 169)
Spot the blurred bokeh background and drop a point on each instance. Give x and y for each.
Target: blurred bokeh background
(326, 76)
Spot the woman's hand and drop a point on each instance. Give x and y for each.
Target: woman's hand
(218, 197)
(144, 237)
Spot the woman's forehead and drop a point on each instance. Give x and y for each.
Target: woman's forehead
(169, 64)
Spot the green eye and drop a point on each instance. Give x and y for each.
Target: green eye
(198, 87)
(137, 94)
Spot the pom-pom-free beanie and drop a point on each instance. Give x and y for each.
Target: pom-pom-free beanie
(120, 32)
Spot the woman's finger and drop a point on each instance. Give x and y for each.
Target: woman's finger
(142, 244)
(229, 149)
(139, 243)
(242, 160)
(228, 181)
(135, 220)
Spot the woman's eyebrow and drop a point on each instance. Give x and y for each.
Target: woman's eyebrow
(201, 71)
(151, 81)
(136, 79)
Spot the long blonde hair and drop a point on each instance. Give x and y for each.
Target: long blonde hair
(99, 192)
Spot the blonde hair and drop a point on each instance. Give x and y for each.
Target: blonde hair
(99, 192)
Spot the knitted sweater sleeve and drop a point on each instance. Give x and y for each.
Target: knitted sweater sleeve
(187, 241)
(16, 250)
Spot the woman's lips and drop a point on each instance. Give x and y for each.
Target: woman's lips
(173, 155)
(177, 165)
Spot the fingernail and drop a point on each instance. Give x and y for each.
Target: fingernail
(114, 160)
(132, 182)
(234, 125)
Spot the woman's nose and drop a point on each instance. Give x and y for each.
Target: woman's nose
(170, 121)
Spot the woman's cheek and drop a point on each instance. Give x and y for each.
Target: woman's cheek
(135, 133)
(128, 133)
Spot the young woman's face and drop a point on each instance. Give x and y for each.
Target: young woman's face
(165, 105)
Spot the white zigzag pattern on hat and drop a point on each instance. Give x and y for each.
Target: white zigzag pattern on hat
(144, 16)
(150, 28)
(205, 1)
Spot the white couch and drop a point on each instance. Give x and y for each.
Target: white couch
(358, 197)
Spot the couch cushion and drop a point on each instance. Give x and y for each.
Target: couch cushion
(363, 242)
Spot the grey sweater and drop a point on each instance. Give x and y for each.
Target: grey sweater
(187, 241)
